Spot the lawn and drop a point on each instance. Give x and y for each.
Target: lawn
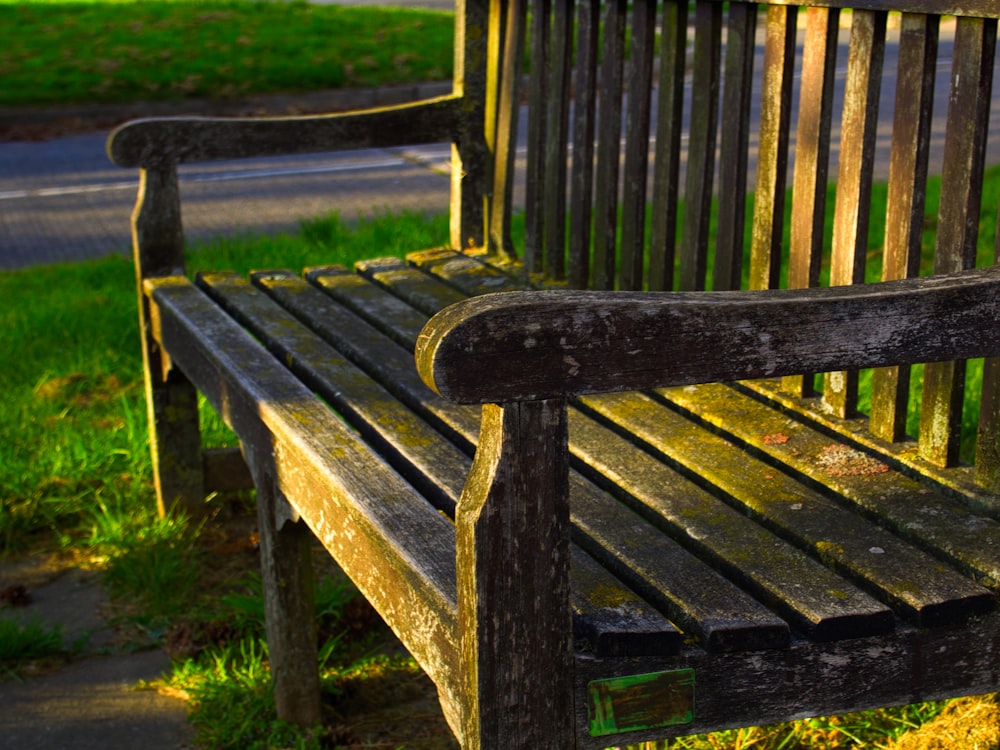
(90, 51)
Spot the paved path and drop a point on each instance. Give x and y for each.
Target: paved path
(62, 200)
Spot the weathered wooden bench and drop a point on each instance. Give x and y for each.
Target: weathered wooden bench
(653, 525)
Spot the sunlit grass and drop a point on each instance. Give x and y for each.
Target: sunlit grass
(91, 52)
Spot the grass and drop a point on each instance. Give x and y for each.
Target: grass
(93, 51)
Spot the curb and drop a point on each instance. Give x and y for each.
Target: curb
(41, 123)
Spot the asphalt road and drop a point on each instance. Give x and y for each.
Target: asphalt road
(61, 200)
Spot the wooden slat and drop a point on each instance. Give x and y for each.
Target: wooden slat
(987, 471)
(507, 115)
(556, 156)
(609, 130)
(606, 614)
(988, 436)
(854, 179)
(536, 176)
(737, 89)
(637, 128)
(898, 574)
(812, 161)
(610, 620)
(911, 133)
(398, 552)
(974, 8)
(584, 125)
(695, 596)
(772, 161)
(931, 518)
(815, 601)
(666, 167)
(698, 187)
(958, 220)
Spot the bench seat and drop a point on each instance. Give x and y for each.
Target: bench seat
(753, 559)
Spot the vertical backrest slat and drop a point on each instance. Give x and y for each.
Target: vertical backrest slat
(854, 178)
(557, 134)
(736, 95)
(511, 41)
(536, 186)
(812, 161)
(911, 131)
(637, 128)
(772, 158)
(609, 145)
(666, 166)
(987, 458)
(470, 154)
(698, 185)
(958, 220)
(584, 125)
(812, 146)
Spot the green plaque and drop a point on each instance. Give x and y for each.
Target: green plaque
(641, 701)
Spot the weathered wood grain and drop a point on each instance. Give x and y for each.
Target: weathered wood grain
(527, 345)
(852, 209)
(700, 173)
(906, 199)
(393, 544)
(512, 543)
(158, 142)
(775, 114)
(737, 95)
(606, 614)
(666, 168)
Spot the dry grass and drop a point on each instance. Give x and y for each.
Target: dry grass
(964, 724)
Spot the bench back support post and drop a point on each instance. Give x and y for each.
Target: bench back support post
(470, 155)
(513, 581)
(171, 400)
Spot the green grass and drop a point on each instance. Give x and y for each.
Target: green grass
(29, 641)
(101, 52)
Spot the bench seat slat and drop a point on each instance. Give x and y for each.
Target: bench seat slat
(699, 599)
(393, 544)
(609, 617)
(815, 600)
(902, 576)
(931, 518)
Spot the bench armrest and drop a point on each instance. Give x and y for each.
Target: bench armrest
(156, 142)
(523, 346)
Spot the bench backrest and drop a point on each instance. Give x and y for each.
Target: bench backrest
(652, 124)
(688, 145)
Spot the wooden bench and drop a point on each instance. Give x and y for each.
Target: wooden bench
(627, 515)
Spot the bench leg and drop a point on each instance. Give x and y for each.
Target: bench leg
(174, 435)
(286, 571)
(515, 630)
